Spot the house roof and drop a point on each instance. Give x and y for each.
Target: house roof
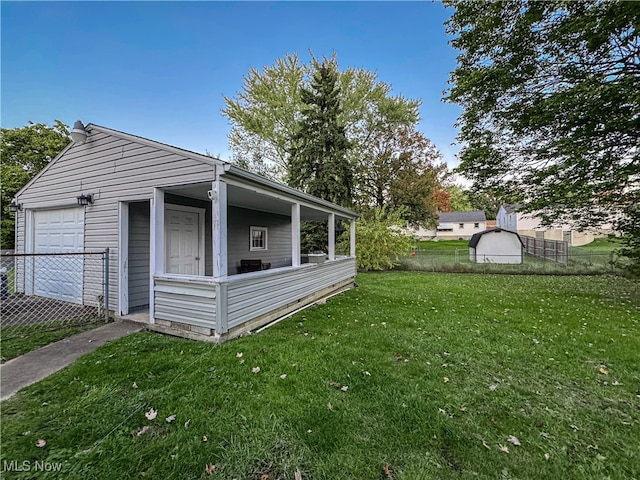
(511, 208)
(471, 216)
(475, 238)
(228, 169)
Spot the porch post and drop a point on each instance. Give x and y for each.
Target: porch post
(352, 237)
(332, 236)
(295, 235)
(219, 227)
(157, 246)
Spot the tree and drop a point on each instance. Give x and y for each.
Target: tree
(265, 113)
(485, 202)
(317, 160)
(402, 168)
(25, 151)
(551, 104)
(458, 198)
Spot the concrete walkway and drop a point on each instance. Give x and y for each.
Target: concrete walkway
(32, 367)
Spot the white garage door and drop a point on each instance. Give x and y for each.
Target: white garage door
(59, 231)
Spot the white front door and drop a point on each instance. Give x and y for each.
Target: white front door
(184, 240)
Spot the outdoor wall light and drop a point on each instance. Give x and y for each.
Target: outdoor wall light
(79, 134)
(14, 206)
(84, 200)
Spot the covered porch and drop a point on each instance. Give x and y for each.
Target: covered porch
(226, 255)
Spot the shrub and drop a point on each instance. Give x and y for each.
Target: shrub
(379, 240)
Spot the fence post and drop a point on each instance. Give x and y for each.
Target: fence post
(106, 283)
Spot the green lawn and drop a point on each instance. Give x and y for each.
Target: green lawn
(442, 374)
(16, 341)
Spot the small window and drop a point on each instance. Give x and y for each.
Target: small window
(461, 226)
(258, 238)
(476, 225)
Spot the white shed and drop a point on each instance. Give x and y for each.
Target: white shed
(496, 246)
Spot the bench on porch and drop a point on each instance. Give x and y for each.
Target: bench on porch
(247, 266)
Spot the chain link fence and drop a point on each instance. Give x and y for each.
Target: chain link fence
(458, 260)
(51, 291)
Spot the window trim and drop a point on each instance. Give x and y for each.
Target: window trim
(460, 226)
(253, 229)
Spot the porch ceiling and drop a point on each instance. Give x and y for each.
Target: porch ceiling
(244, 198)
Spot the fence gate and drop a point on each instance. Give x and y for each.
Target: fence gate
(50, 291)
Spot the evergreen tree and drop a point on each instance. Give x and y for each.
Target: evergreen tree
(318, 162)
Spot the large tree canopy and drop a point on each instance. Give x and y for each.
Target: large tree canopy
(392, 164)
(551, 103)
(265, 113)
(25, 151)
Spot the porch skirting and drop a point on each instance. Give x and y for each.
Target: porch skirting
(201, 308)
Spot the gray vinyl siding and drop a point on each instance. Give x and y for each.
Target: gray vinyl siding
(189, 301)
(250, 297)
(112, 169)
(139, 254)
(239, 221)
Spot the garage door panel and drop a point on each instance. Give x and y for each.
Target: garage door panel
(59, 231)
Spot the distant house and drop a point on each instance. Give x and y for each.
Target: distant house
(511, 218)
(496, 246)
(454, 226)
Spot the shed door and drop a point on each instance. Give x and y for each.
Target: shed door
(58, 231)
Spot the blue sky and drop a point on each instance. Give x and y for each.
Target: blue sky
(160, 69)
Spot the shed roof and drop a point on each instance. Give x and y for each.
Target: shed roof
(470, 216)
(475, 238)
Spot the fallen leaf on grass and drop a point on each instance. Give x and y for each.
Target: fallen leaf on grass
(388, 471)
(255, 369)
(366, 374)
(283, 376)
(297, 475)
(344, 388)
(41, 443)
(135, 385)
(186, 424)
(329, 406)
(143, 430)
(603, 370)
(484, 444)
(513, 440)
(170, 418)
(493, 387)
(546, 456)
(151, 414)
(204, 438)
(446, 379)
(264, 476)
(239, 355)
(209, 469)
(463, 409)
(503, 448)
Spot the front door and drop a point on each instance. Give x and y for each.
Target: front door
(183, 240)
